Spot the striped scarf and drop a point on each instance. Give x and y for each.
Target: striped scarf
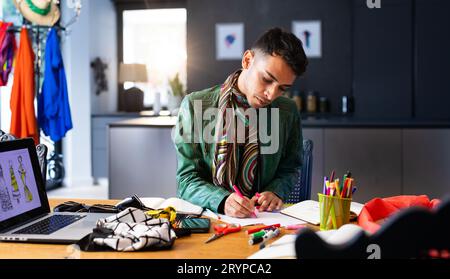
(233, 165)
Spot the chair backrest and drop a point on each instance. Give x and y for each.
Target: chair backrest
(41, 150)
(302, 189)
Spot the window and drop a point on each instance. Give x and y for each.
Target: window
(157, 38)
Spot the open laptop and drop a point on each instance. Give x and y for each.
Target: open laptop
(24, 209)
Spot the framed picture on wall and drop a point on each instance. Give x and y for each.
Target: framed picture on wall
(309, 32)
(229, 41)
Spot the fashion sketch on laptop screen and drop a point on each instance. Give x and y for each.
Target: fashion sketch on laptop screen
(18, 189)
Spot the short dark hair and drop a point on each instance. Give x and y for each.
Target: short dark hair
(285, 44)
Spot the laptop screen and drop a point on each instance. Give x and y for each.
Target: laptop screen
(18, 189)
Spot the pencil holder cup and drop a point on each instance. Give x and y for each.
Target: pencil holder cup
(334, 212)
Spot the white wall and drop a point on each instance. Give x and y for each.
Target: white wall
(103, 44)
(94, 34)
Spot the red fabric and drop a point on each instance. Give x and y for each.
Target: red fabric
(379, 209)
(23, 117)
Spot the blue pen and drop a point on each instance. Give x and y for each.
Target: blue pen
(325, 185)
(354, 190)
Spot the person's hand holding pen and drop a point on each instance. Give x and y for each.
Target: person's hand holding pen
(268, 201)
(239, 206)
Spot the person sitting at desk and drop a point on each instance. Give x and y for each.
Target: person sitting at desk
(212, 154)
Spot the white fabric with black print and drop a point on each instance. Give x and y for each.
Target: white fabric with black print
(134, 230)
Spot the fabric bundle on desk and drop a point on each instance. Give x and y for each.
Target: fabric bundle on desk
(379, 209)
(129, 230)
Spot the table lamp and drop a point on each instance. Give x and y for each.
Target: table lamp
(133, 97)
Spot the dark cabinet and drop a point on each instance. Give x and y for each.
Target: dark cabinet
(426, 162)
(373, 155)
(385, 161)
(382, 61)
(432, 39)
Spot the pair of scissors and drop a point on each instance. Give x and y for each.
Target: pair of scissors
(223, 229)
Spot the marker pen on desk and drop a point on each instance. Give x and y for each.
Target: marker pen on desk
(262, 233)
(257, 240)
(270, 235)
(258, 234)
(295, 227)
(262, 228)
(236, 190)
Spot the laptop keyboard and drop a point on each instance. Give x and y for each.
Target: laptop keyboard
(50, 224)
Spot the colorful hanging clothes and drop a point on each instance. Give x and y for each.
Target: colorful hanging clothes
(8, 48)
(53, 104)
(23, 118)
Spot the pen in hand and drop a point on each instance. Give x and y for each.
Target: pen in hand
(236, 190)
(257, 195)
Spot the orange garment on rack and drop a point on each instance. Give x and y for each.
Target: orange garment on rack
(23, 118)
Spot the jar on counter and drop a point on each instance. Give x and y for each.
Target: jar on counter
(323, 105)
(311, 102)
(298, 100)
(347, 105)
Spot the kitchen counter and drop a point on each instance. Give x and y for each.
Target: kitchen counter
(307, 122)
(351, 122)
(160, 121)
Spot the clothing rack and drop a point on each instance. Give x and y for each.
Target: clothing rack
(56, 159)
(16, 28)
(55, 162)
(37, 30)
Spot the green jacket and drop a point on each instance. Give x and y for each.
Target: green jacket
(194, 175)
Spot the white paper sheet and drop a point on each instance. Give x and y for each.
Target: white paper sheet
(309, 210)
(283, 248)
(266, 218)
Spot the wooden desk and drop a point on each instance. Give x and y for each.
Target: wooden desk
(234, 246)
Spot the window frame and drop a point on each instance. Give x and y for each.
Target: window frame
(125, 5)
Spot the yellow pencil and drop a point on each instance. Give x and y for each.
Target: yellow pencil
(336, 183)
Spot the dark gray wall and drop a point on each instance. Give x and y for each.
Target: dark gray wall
(330, 75)
(432, 37)
(383, 60)
(393, 60)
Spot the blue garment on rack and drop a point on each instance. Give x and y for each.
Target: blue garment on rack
(53, 103)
